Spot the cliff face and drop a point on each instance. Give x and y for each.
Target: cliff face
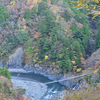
(15, 59)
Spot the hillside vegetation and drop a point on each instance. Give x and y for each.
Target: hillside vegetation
(50, 32)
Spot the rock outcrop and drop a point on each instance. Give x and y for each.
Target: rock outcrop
(15, 59)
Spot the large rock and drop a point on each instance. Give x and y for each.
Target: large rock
(15, 59)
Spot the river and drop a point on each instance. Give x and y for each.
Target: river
(53, 89)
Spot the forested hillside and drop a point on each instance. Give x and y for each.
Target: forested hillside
(50, 32)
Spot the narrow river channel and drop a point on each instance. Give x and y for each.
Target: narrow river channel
(53, 89)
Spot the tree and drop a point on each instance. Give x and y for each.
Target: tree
(46, 24)
(66, 15)
(22, 36)
(33, 11)
(97, 39)
(3, 13)
(63, 61)
(77, 50)
(28, 14)
(29, 48)
(42, 7)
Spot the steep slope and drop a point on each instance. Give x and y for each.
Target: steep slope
(49, 31)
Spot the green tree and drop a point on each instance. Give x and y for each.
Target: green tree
(29, 48)
(66, 15)
(97, 39)
(77, 51)
(3, 13)
(42, 7)
(22, 36)
(33, 11)
(47, 23)
(28, 14)
(63, 61)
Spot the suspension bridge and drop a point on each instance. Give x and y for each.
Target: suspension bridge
(65, 79)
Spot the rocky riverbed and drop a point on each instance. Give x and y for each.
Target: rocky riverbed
(34, 90)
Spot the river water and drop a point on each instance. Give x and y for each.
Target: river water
(53, 89)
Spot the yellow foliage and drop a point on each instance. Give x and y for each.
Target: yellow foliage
(40, 62)
(95, 71)
(12, 3)
(37, 58)
(73, 62)
(78, 70)
(71, 2)
(93, 7)
(23, 20)
(46, 57)
(34, 60)
(24, 27)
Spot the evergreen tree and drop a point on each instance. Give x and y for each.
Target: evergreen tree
(7, 73)
(33, 11)
(77, 50)
(82, 50)
(63, 61)
(3, 13)
(66, 15)
(28, 14)
(47, 44)
(22, 36)
(97, 39)
(70, 53)
(85, 43)
(42, 7)
(76, 47)
(47, 23)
